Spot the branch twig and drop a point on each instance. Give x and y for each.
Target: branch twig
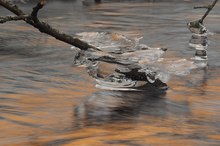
(209, 9)
(13, 18)
(43, 26)
(197, 26)
(201, 7)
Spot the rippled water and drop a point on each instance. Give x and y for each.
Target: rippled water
(46, 100)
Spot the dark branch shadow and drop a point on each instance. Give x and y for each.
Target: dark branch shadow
(105, 107)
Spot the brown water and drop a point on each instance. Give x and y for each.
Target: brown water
(46, 100)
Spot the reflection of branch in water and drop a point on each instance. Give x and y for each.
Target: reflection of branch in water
(198, 80)
(111, 107)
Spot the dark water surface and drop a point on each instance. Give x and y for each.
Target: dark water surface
(46, 100)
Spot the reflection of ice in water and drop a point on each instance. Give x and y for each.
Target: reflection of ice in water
(127, 54)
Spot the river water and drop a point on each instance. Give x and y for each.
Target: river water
(47, 100)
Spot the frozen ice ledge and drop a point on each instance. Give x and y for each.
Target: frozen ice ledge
(125, 64)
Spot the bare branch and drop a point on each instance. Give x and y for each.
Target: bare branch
(209, 9)
(201, 7)
(36, 9)
(44, 27)
(13, 18)
(11, 7)
(197, 26)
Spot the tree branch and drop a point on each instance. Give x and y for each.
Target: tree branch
(36, 9)
(209, 9)
(11, 7)
(43, 26)
(201, 7)
(197, 26)
(13, 18)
